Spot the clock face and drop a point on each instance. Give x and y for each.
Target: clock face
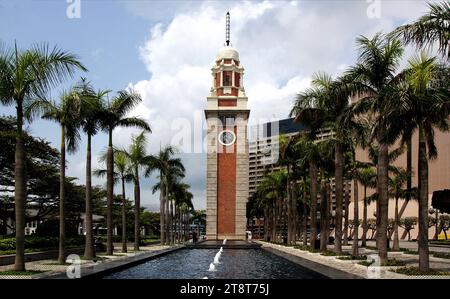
(227, 137)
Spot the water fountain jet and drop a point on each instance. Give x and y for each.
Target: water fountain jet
(212, 267)
(216, 258)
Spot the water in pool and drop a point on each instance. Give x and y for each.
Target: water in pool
(233, 263)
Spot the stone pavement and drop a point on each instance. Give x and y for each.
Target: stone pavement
(51, 267)
(372, 272)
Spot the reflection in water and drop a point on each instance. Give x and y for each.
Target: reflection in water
(235, 263)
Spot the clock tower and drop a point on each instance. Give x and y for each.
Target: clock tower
(227, 147)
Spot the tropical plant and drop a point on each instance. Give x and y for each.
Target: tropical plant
(26, 76)
(408, 224)
(164, 163)
(423, 106)
(430, 29)
(67, 113)
(366, 176)
(375, 80)
(113, 114)
(124, 173)
(326, 106)
(137, 158)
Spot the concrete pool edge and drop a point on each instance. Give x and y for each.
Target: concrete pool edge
(322, 269)
(102, 269)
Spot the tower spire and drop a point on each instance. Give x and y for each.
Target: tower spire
(227, 29)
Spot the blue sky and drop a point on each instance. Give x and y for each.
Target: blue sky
(164, 50)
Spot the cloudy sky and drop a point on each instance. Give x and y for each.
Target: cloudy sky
(165, 50)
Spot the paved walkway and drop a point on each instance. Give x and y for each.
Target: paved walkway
(361, 271)
(51, 267)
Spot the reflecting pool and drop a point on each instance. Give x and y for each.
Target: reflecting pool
(233, 263)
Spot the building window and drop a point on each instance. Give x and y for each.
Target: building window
(227, 121)
(226, 79)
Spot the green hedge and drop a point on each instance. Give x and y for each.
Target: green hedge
(34, 242)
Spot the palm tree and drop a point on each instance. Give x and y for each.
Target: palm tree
(181, 197)
(137, 158)
(273, 188)
(288, 157)
(123, 172)
(26, 76)
(163, 162)
(113, 115)
(90, 122)
(375, 79)
(396, 190)
(423, 106)
(327, 106)
(432, 28)
(366, 176)
(68, 114)
(311, 155)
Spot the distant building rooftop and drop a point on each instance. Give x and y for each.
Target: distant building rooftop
(275, 128)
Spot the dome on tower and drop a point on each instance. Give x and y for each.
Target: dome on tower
(227, 53)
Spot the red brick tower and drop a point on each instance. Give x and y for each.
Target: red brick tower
(227, 147)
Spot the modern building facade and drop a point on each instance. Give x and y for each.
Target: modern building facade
(227, 148)
(438, 177)
(264, 148)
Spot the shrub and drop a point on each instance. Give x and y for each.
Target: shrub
(416, 272)
(394, 263)
(442, 255)
(366, 263)
(21, 273)
(352, 258)
(37, 242)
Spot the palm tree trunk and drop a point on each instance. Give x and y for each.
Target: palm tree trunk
(313, 175)
(330, 198)
(383, 198)
(323, 216)
(289, 206)
(161, 209)
(20, 191)
(172, 222)
(167, 214)
(274, 222)
(409, 178)
(266, 224)
(346, 212)
(137, 209)
(89, 252)
(62, 178)
(305, 216)
(124, 217)
(339, 173)
(396, 244)
(364, 224)
(109, 195)
(355, 218)
(424, 264)
(294, 213)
